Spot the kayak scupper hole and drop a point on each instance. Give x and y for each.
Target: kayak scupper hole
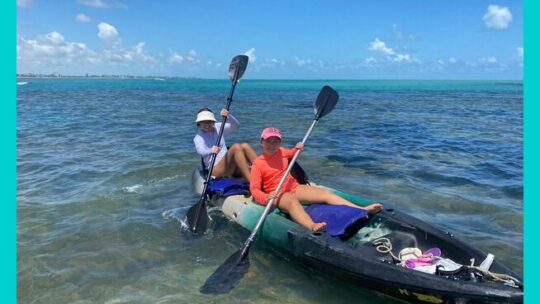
(235, 214)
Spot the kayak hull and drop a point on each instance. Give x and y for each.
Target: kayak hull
(358, 261)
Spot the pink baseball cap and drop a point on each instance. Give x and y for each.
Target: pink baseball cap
(270, 132)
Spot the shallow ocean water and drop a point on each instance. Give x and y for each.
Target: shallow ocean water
(104, 170)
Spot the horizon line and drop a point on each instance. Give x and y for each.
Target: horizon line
(154, 77)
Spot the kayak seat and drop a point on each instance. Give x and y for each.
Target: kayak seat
(224, 187)
(341, 221)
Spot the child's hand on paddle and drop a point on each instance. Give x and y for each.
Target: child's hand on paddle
(300, 146)
(272, 196)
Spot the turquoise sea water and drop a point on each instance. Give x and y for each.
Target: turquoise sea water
(104, 166)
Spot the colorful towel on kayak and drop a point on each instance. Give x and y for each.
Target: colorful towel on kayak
(223, 187)
(341, 221)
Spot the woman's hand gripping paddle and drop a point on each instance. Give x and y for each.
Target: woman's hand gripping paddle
(197, 215)
(235, 267)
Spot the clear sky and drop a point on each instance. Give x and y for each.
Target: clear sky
(302, 39)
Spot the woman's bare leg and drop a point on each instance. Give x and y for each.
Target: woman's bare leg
(290, 204)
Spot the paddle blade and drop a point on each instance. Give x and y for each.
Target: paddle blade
(326, 101)
(238, 67)
(197, 217)
(225, 278)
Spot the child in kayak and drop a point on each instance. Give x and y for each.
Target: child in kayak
(230, 162)
(267, 171)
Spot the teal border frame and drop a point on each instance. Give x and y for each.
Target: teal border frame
(8, 127)
(531, 151)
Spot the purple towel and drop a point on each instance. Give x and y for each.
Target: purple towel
(341, 221)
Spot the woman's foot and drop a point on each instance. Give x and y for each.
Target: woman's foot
(318, 227)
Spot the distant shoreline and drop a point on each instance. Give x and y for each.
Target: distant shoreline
(163, 78)
(101, 76)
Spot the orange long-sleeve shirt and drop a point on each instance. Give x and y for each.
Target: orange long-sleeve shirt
(266, 173)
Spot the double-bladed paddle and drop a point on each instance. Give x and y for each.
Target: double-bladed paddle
(231, 272)
(197, 215)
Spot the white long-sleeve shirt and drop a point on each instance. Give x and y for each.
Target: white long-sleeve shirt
(204, 141)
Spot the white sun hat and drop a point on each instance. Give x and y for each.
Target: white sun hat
(205, 116)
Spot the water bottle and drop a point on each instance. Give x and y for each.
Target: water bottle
(486, 264)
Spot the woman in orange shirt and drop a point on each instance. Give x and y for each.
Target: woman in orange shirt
(268, 169)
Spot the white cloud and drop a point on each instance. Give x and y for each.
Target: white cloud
(491, 65)
(191, 56)
(380, 47)
(93, 3)
(52, 52)
(402, 57)
(175, 58)
(102, 3)
(488, 60)
(82, 18)
(52, 49)
(497, 17)
(272, 63)
(25, 3)
(137, 53)
(441, 62)
(399, 35)
(213, 65)
(452, 60)
(54, 38)
(370, 60)
(251, 55)
(519, 51)
(108, 34)
(302, 62)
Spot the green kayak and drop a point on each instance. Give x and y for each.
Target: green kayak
(370, 258)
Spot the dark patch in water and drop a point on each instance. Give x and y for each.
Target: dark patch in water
(442, 179)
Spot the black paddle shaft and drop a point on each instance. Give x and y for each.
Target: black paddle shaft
(239, 64)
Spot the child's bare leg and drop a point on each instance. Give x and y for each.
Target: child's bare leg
(311, 194)
(228, 164)
(249, 152)
(240, 160)
(219, 168)
(290, 204)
